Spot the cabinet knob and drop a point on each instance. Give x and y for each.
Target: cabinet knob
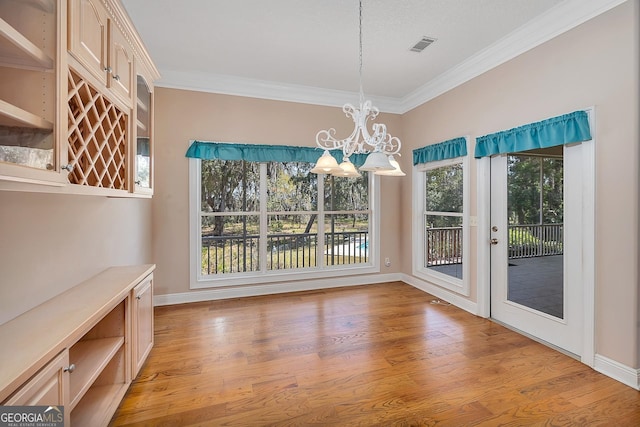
(116, 78)
(67, 168)
(138, 297)
(138, 182)
(70, 368)
(107, 69)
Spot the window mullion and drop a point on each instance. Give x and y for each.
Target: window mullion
(320, 246)
(263, 218)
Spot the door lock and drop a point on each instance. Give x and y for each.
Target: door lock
(494, 241)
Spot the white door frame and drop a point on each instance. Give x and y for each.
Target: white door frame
(483, 169)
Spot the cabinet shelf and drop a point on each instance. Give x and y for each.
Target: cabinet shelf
(17, 50)
(97, 403)
(90, 358)
(10, 115)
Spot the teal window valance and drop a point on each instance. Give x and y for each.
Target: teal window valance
(565, 129)
(262, 153)
(443, 150)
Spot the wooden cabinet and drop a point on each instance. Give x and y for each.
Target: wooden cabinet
(142, 322)
(29, 81)
(100, 46)
(143, 166)
(99, 331)
(68, 106)
(88, 37)
(48, 387)
(121, 79)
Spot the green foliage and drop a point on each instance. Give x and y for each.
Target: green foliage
(444, 189)
(532, 181)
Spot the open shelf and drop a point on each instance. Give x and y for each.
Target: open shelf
(90, 357)
(10, 115)
(98, 405)
(17, 50)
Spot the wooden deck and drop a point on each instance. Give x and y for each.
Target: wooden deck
(377, 355)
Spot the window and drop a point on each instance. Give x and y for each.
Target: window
(440, 201)
(255, 221)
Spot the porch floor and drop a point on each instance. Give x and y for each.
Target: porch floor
(533, 282)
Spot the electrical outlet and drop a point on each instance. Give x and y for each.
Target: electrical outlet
(387, 262)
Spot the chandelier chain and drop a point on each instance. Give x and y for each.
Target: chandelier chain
(360, 57)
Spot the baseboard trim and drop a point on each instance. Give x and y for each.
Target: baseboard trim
(442, 293)
(271, 288)
(617, 371)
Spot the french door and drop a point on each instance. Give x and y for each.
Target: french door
(538, 217)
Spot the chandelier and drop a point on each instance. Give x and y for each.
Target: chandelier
(377, 144)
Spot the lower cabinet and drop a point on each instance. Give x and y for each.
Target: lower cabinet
(142, 320)
(50, 386)
(93, 369)
(101, 376)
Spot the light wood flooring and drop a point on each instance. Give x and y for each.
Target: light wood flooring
(377, 355)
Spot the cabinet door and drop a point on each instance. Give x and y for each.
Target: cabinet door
(121, 63)
(48, 387)
(143, 170)
(88, 36)
(142, 323)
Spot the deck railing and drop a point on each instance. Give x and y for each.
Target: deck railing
(444, 244)
(234, 254)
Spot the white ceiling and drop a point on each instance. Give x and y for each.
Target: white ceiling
(307, 50)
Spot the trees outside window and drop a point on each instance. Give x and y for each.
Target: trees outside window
(267, 217)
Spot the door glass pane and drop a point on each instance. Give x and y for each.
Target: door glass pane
(535, 213)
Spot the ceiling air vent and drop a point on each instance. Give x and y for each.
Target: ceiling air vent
(422, 44)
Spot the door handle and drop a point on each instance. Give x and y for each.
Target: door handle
(493, 241)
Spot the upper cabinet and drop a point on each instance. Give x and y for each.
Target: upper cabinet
(88, 34)
(98, 43)
(144, 127)
(76, 87)
(29, 82)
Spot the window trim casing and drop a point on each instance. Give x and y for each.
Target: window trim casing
(459, 286)
(198, 281)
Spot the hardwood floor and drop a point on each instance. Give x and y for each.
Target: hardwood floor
(377, 355)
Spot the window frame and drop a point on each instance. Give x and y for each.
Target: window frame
(264, 277)
(459, 286)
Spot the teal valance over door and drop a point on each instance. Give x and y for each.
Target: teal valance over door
(262, 153)
(441, 151)
(561, 130)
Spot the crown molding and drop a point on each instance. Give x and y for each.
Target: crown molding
(237, 86)
(557, 20)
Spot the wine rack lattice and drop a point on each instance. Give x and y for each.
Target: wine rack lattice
(97, 137)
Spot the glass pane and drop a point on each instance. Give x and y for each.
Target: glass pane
(535, 212)
(346, 239)
(443, 244)
(143, 149)
(230, 186)
(346, 194)
(444, 189)
(230, 244)
(290, 187)
(27, 147)
(292, 241)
